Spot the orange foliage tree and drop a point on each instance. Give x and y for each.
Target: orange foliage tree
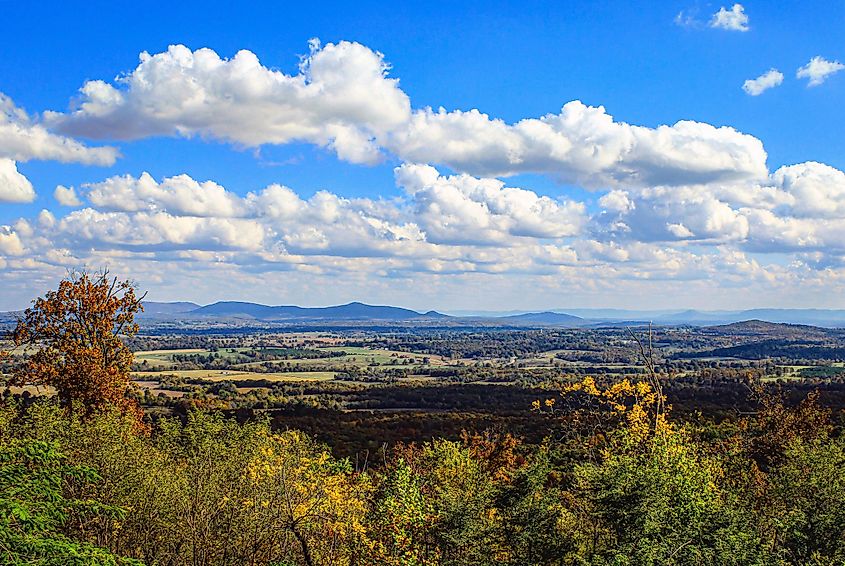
(72, 341)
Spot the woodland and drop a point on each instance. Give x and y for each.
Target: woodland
(619, 469)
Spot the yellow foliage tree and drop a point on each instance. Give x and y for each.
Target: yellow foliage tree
(637, 403)
(297, 488)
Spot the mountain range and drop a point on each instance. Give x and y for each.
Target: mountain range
(360, 312)
(356, 313)
(245, 311)
(815, 317)
(828, 318)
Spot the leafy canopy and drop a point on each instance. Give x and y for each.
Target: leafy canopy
(72, 338)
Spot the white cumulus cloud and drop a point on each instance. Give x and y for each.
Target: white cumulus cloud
(764, 82)
(178, 195)
(341, 98)
(581, 144)
(10, 242)
(66, 196)
(616, 201)
(14, 187)
(799, 207)
(22, 139)
(818, 70)
(734, 19)
(157, 231)
(466, 209)
(811, 190)
(445, 231)
(675, 213)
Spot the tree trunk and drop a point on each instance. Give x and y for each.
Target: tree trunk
(306, 552)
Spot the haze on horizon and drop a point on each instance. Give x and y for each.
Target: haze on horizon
(674, 157)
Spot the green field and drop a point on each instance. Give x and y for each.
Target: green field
(157, 366)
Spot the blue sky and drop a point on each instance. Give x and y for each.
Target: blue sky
(707, 243)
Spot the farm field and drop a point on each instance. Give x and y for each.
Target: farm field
(431, 370)
(144, 378)
(173, 371)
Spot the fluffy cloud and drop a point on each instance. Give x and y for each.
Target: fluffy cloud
(10, 242)
(140, 221)
(275, 219)
(734, 19)
(179, 195)
(764, 82)
(443, 232)
(22, 139)
(466, 209)
(66, 196)
(437, 210)
(662, 214)
(675, 203)
(327, 224)
(818, 70)
(773, 233)
(811, 190)
(581, 144)
(157, 231)
(14, 187)
(616, 201)
(797, 208)
(341, 98)
(449, 224)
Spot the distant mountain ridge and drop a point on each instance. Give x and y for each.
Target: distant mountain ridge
(779, 330)
(284, 313)
(829, 318)
(357, 311)
(820, 317)
(152, 308)
(545, 318)
(813, 317)
(242, 312)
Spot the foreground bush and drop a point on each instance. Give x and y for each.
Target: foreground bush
(78, 489)
(35, 510)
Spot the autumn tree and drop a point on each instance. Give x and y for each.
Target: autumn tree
(72, 340)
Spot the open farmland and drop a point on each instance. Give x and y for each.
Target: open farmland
(289, 359)
(435, 370)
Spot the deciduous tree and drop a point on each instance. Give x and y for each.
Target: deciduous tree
(72, 340)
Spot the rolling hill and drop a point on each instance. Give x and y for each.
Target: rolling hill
(350, 311)
(543, 319)
(154, 309)
(761, 328)
(241, 312)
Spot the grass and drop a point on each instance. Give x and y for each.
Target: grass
(282, 376)
(234, 375)
(158, 362)
(357, 357)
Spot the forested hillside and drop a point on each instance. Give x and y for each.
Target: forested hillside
(87, 478)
